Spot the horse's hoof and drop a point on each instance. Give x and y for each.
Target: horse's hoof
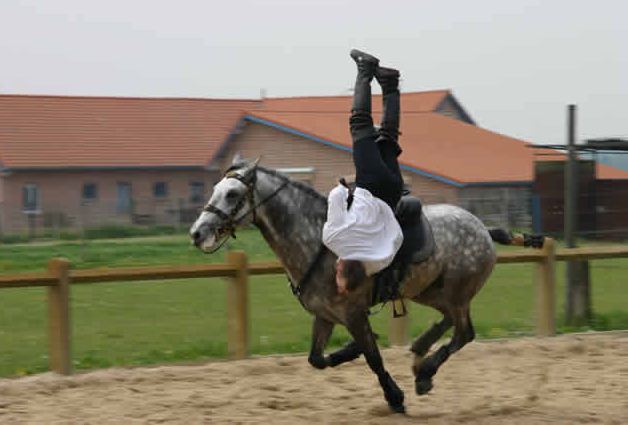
(423, 386)
(399, 408)
(317, 362)
(416, 364)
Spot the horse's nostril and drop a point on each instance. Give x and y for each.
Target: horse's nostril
(196, 235)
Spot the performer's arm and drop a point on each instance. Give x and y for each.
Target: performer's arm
(337, 204)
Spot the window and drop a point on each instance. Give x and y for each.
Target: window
(160, 190)
(30, 198)
(90, 191)
(197, 192)
(302, 174)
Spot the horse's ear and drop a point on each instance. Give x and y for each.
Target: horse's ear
(237, 158)
(250, 167)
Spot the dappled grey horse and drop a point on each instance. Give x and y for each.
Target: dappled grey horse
(290, 216)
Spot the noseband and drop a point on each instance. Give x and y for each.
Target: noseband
(229, 220)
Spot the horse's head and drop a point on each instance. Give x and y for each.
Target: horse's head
(228, 208)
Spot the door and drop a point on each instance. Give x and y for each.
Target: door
(123, 202)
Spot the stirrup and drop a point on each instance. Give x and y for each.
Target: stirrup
(403, 312)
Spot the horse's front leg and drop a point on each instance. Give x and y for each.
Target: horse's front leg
(360, 329)
(350, 351)
(321, 331)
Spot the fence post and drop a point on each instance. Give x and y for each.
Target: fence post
(238, 307)
(546, 291)
(398, 327)
(59, 317)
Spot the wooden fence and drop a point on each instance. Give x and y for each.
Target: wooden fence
(237, 270)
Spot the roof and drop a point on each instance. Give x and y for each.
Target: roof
(425, 101)
(48, 132)
(434, 145)
(58, 131)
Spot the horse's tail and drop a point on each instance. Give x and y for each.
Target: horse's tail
(504, 237)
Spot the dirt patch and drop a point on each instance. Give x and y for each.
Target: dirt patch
(568, 379)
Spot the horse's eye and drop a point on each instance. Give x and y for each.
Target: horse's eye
(232, 194)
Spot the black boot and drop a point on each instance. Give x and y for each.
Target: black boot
(388, 78)
(367, 65)
(389, 127)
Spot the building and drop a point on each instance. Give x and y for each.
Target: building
(89, 161)
(446, 156)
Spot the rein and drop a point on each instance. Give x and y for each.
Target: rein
(232, 222)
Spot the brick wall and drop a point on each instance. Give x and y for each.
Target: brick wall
(61, 203)
(279, 149)
(429, 190)
(282, 150)
(503, 206)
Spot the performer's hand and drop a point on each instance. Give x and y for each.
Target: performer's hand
(341, 280)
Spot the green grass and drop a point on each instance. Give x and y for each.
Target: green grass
(164, 250)
(102, 232)
(137, 323)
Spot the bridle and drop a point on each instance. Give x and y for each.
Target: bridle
(229, 227)
(230, 222)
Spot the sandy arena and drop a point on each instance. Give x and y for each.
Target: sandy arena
(568, 379)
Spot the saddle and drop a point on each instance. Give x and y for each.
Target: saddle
(418, 245)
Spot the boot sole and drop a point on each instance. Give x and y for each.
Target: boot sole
(360, 56)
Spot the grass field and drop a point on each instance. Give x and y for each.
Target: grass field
(133, 323)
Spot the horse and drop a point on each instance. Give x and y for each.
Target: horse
(290, 216)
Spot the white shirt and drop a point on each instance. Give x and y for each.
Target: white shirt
(368, 231)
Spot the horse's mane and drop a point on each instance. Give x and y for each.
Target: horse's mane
(303, 187)
(295, 183)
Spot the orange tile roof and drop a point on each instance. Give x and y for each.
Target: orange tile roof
(434, 145)
(58, 131)
(425, 101)
(439, 146)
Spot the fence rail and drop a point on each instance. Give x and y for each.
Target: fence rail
(237, 270)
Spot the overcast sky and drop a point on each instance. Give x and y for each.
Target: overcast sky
(514, 65)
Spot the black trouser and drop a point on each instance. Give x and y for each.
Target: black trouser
(375, 152)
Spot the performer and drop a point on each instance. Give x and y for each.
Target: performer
(361, 227)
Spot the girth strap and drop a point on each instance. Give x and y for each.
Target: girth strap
(297, 289)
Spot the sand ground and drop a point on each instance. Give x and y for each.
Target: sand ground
(568, 379)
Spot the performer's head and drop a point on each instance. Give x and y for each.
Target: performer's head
(349, 274)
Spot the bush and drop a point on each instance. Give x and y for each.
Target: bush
(8, 239)
(118, 231)
(69, 236)
(109, 231)
(112, 231)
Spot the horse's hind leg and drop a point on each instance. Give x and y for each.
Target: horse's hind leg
(463, 334)
(422, 344)
(360, 329)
